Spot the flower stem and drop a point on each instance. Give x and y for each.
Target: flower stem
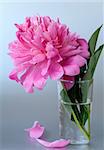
(81, 127)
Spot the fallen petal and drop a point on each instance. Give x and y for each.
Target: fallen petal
(56, 144)
(36, 131)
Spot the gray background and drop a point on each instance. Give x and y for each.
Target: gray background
(18, 110)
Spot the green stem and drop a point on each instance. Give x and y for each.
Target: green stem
(82, 129)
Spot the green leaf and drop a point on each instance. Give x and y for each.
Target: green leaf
(93, 40)
(93, 63)
(64, 96)
(85, 111)
(67, 103)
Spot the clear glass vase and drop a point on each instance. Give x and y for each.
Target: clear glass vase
(75, 102)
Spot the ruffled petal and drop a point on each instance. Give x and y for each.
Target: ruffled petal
(34, 78)
(55, 71)
(52, 29)
(38, 58)
(79, 60)
(75, 60)
(27, 80)
(45, 66)
(18, 70)
(84, 47)
(51, 51)
(13, 75)
(71, 70)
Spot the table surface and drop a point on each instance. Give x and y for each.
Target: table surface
(18, 113)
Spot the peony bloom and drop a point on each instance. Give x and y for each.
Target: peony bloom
(45, 48)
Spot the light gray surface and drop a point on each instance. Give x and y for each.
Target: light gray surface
(21, 111)
(18, 110)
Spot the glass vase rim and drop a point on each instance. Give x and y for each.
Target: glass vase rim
(80, 81)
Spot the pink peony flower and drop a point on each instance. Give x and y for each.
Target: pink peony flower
(45, 48)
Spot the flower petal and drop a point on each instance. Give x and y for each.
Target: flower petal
(55, 71)
(84, 47)
(34, 78)
(79, 60)
(38, 58)
(27, 80)
(13, 75)
(52, 29)
(36, 131)
(71, 70)
(45, 66)
(51, 51)
(56, 144)
(75, 60)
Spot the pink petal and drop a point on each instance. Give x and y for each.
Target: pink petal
(28, 85)
(56, 71)
(24, 59)
(57, 58)
(32, 78)
(45, 66)
(38, 58)
(51, 51)
(79, 60)
(75, 60)
(13, 75)
(39, 80)
(71, 70)
(36, 131)
(37, 42)
(84, 46)
(72, 52)
(46, 36)
(27, 79)
(52, 29)
(23, 40)
(47, 20)
(56, 144)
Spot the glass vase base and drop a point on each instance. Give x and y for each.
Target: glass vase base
(69, 130)
(79, 142)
